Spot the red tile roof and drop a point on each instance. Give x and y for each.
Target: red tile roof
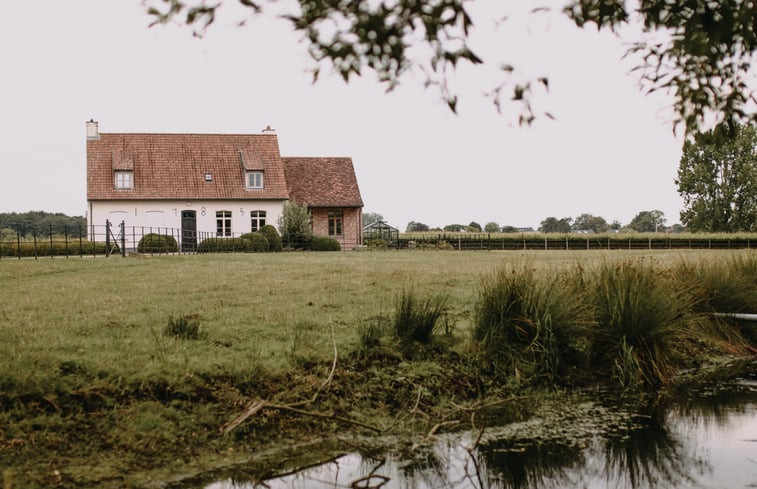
(173, 166)
(322, 182)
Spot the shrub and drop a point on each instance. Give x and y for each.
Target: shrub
(322, 243)
(58, 248)
(223, 245)
(415, 318)
(157, 243)
(274, 240)
(184, 327)
(529, 326)
(257, 243)
(640, 313)
(294, 224)
(377, 243)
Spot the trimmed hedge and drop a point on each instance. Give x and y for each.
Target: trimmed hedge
(322, 243)
(157, 243)
(258, 242)
(223, 245)
(43, 248)
(274, 240)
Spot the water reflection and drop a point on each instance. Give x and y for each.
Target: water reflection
(707, 438)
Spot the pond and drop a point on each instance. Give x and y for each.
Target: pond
(703, 438)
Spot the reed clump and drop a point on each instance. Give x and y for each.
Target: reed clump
(416, 317)
(529, 324)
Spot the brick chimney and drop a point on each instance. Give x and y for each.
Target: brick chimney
(92, 131)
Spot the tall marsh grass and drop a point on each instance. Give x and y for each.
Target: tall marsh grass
(532, 324)
(640, 313)
(416, 317)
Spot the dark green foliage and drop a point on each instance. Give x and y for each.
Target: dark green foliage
(322, 243)
(416, 227)
(529, 325)
(40, 223)
(256, 242)
(274, 240)
(43, 248)
(183, 327)
(555, 225)
(648, 222)
(640, 312)
(376, 243)
(717, 179)
(157, 243)
(294, 225)
(224, 245)
(415, 318)
(698, 50)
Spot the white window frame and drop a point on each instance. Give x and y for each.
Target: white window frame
(223, 223)
(254, 179)
(123, 179)
(257, 220)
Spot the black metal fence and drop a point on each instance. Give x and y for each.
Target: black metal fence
(488, 242)
(119, 239)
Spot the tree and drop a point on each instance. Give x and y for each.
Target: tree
(717, 178)
(700, 50)
(416, 227)
(491, 227)
(648, 222)
(589, 222)
(294, 224)
(455, 228)
(555, 225)
(371, 217)
(474, 227)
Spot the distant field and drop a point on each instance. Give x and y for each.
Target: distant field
(256, 309)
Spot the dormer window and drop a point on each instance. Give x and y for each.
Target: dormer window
(123, 179)
(254, 179)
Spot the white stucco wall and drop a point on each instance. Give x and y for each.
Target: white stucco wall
(162, 215)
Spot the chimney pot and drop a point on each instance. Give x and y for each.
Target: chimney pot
(93, 132)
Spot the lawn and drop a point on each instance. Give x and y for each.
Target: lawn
(108, 315)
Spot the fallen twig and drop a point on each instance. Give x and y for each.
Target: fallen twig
(254, 408)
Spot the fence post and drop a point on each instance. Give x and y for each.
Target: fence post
(18, 244)
(51, 241)
(81, 252)
(107, 238)
(34, 234)
(122, 226)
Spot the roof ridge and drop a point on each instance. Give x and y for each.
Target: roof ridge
(184, 134)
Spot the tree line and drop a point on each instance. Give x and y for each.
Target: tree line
(40, 223)
(717, 179)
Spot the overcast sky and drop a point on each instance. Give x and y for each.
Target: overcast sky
(610, 151)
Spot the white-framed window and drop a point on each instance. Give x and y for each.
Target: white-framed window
(223, 223)
(254, 179)
(335, 223)
(123, 179)
(257, 220)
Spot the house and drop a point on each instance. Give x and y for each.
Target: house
(220, 185)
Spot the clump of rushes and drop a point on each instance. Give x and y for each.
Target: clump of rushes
(729, 287)
(533, 325)
(184, 327)
(415, 318)
(640, 312)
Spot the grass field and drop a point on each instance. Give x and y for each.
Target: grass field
(256, 309)
(86, 369)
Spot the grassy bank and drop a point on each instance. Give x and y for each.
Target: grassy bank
(93, 391)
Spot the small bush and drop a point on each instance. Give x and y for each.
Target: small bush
(322, 243)
(415, 318)
(184, 327)
(274, 240)
(58, 248)
(257, 242)
(157, 243)
(376, 243)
